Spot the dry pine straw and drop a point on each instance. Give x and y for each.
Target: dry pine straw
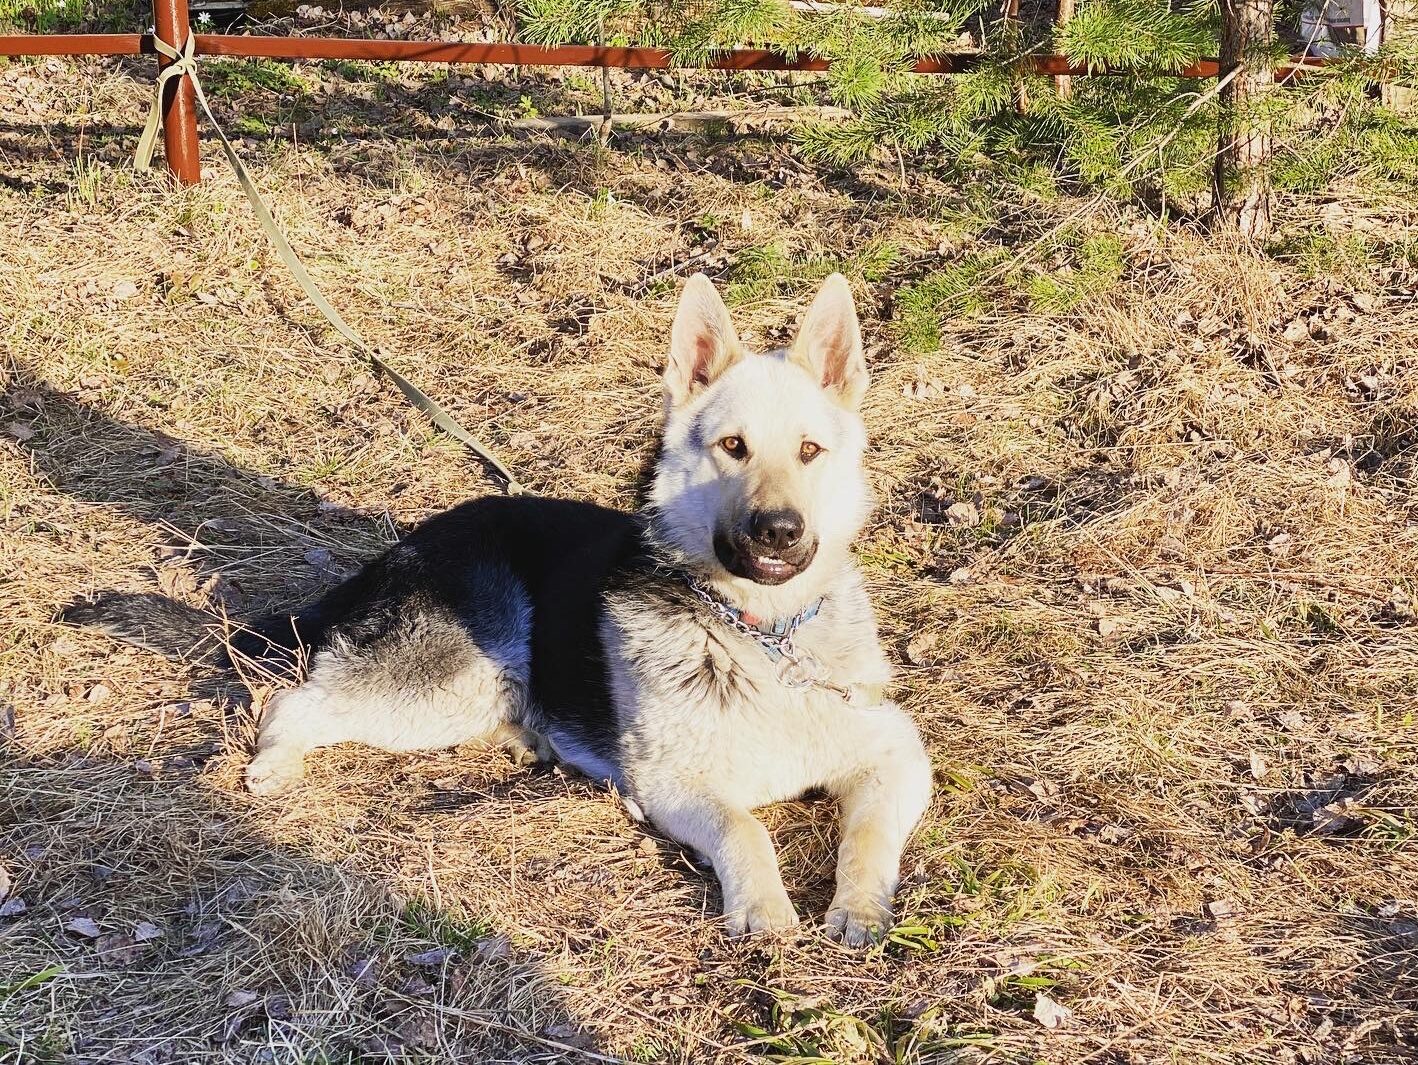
(1146, 570)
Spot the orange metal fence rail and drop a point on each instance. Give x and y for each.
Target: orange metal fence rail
(179, 109)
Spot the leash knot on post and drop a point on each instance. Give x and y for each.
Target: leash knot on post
(184, 62)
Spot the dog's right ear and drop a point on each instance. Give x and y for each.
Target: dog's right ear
(703, 343)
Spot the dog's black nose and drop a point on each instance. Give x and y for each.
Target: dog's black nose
(776, 530)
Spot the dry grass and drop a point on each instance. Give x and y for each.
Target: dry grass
(1168, 679)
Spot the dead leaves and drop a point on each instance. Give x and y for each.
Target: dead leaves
(920, 651)
(1049, 1013)
(86, 927)
(1333, 817)
(369, 217)
(114, 948)
(10, 905)
(1326, 805)
(247, 1007)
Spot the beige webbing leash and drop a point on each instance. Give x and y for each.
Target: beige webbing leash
(185, 62)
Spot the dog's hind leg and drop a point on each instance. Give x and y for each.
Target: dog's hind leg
(523, 745)
(295, 723)
(355, 700)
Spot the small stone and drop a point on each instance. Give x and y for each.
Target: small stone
(430, 958)
(118, 949)
(1049, 1013)
(494, 948)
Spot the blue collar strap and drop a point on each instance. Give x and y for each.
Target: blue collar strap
(783, 626)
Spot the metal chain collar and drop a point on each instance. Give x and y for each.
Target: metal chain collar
(796, 668)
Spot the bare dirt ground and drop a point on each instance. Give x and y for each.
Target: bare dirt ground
(1145, 557)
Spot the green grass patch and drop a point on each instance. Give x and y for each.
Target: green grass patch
(1349, 258)
(1098, 267)
(251, 126)
(958, 291)
(762, 271)
(233, 78)
(40, 16)
(447, 930)
(33, 980)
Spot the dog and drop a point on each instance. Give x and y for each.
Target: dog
(713, 653)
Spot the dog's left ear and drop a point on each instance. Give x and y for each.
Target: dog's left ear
(829, 343)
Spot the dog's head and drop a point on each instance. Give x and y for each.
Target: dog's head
(759, 483)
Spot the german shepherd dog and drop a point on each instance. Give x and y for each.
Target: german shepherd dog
(712, 654)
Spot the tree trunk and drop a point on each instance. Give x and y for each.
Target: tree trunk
(1242, 176)
(1009, 12)
(1063, 83)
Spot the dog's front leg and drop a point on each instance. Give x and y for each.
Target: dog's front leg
(880, 807)
(742, 855)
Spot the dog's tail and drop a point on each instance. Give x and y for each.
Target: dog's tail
(184, 633)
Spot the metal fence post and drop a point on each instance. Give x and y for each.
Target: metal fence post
(179, 103)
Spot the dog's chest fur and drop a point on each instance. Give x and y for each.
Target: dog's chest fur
(695, 699)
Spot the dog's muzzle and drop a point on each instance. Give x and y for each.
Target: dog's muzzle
(770, 547)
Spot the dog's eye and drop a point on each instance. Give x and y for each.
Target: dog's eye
(808, 452)
(734, 447)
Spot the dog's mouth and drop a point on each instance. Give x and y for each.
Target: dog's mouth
(743, 558)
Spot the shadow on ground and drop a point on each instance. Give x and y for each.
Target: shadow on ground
(151, 916)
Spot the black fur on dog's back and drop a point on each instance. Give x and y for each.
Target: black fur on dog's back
(558, 553)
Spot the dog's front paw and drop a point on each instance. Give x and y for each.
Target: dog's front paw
(858, 920)
(271, 774)
(773, 914)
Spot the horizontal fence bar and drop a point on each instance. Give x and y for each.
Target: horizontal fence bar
(528, 55)
(75, 44)
(531, 55)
